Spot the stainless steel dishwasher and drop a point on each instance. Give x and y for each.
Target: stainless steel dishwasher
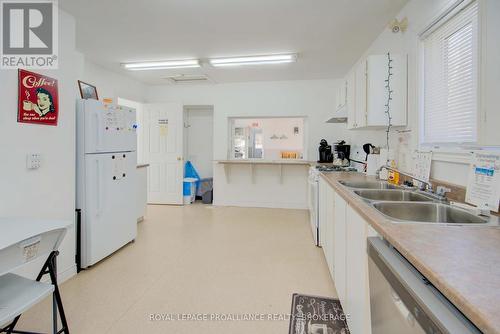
(403, 301)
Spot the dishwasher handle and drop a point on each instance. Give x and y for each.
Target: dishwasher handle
(428, 306)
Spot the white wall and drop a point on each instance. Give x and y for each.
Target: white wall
(112, 85)
(311, 98)
(314, 99)
(48, 192)
(265, 190)
(199, 139)
(420, 14)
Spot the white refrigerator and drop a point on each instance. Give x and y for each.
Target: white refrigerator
(106, 179)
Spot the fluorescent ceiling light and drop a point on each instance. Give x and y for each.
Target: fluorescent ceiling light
(254, 60)
(162, 65)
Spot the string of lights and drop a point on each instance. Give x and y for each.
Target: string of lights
(389, 97)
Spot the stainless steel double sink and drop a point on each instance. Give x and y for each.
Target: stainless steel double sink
(412, 206)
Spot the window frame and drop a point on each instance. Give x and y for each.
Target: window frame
(452, 152)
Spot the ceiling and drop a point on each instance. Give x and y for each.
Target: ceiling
(328, 35)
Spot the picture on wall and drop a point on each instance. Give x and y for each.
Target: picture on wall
(37, 98)
(87, 91)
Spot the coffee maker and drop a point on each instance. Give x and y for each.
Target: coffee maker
(341, 153)
(325, 152)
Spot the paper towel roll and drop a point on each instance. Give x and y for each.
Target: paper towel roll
(372, 164)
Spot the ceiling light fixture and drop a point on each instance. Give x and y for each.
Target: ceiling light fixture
(188, 78)
(162, 65)
(254, 60)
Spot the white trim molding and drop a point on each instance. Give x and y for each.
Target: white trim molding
(463, 157)
(62, 275)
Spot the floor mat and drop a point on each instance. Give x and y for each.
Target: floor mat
(317, 315)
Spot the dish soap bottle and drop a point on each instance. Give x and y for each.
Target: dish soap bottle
(393, 177)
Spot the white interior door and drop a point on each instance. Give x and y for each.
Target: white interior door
(163, 148)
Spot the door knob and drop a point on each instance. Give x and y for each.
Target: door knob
(179, 158)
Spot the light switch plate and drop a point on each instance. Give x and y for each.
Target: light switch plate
(33, 160)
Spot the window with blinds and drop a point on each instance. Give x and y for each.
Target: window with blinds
(450, 86)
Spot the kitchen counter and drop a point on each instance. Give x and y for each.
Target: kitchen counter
(463, 262)
(227, 164)
(264, 162)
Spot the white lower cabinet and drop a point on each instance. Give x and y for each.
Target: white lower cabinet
(330, 230)
(326, 222)
(358, 291)
(142, 192)
(322, 204)
(340, 245)
(345, 235)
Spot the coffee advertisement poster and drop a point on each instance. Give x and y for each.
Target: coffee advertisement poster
(38, 99)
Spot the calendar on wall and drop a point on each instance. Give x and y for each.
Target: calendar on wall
(422, 164)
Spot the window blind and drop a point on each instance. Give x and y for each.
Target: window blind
(451, 79)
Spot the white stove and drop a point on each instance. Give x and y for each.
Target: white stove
(313, 195)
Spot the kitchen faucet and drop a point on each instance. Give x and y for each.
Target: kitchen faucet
(423, 183)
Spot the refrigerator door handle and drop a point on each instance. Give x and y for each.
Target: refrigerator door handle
(99, 132)
(98, 189)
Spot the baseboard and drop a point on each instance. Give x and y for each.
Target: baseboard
(66, 274)
(269, 205)
(62, 275)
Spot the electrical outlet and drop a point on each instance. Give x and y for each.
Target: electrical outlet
(33, 160)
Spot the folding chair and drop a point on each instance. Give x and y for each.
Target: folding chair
(23, 241)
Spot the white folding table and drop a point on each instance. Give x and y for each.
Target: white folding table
(23, 241)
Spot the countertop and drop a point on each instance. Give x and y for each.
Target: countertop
(463, 262)
(275, 162)
(264, 162)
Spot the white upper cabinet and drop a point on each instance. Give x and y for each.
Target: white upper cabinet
(378, 93)
(339, 114)
(351, 99)
(342, 95)
(360, 92)
(368, 94)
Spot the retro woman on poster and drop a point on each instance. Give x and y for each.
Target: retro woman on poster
(45, 102)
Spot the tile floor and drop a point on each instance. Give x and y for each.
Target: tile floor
(196, 259)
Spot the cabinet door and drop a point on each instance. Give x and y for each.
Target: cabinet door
(340, 247)
(350, 99)
(322, 205)
(330, 230)
(358, 293)
(360, 95)
(377, 92)
(343, 93)
(399, 84)
(339, 98)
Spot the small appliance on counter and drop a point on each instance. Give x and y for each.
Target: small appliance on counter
(372, 158)
(372, 164)
(325, 152)
(341, 154)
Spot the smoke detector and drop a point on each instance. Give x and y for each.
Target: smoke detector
(188, 78)
(398, 26)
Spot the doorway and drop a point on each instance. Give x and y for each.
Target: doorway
(198, 138)
(198, 142)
